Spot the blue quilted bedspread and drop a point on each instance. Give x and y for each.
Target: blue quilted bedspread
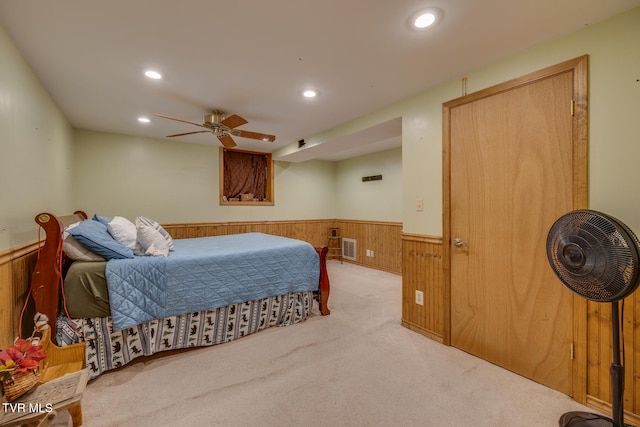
(207, 273)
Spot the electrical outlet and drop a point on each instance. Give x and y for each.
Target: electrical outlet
(419, 298)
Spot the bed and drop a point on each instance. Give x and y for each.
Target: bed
(169, 294)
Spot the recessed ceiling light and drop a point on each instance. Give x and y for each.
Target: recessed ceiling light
(143, 120)
(153, 74)
(424, 18)
(310, 93)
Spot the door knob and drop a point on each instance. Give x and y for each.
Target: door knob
(459, 242)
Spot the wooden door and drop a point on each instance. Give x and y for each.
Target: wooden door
(511, 175)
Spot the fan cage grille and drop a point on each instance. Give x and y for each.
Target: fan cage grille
(594, 255)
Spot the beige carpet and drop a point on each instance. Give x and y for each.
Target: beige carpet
(356, 367)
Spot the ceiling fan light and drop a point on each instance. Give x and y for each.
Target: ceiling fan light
(143, 120)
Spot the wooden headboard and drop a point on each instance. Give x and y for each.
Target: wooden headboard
(47, 274)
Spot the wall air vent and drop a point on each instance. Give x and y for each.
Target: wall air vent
(349, 249)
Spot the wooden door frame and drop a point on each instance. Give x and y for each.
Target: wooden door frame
(579, 67)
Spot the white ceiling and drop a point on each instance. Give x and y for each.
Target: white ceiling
(254, 58)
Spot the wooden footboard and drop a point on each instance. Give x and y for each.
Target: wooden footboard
(323, 288)
(46, 279)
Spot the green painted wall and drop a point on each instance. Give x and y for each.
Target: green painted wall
(35, 150)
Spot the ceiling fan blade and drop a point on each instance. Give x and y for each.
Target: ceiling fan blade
(233, 121)
(255, 135)
(227, 141)
(180, 120)
(187, 133)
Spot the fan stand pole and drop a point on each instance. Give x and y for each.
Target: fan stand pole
(617, 370)
(587, 419)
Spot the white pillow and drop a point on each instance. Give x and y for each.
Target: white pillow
(151, 240)
(123, 231)
(75, 250)
(154, 224)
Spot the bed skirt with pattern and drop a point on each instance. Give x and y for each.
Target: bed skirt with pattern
(108, 350)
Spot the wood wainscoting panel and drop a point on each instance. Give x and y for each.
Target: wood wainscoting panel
(383, 239)
(313, 231)
(422, 271)
(16, 266)
(599, 353)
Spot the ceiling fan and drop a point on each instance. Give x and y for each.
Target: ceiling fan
(222, 126)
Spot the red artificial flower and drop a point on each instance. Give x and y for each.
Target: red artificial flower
(28, 364)
(22, 356)
(15, 354)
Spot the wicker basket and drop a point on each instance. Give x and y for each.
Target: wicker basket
(16, 384)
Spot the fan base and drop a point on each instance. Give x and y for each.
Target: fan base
(585, 419)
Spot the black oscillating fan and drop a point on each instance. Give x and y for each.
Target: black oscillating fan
(597, 257)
